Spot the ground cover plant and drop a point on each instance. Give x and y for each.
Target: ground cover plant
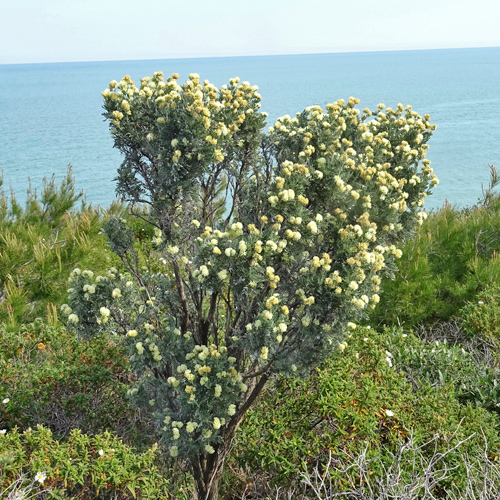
(35, 465)
(481, 317)
(365, 403)
(270, 246)
(51, 378)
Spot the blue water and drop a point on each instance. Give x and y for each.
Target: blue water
(50, 114)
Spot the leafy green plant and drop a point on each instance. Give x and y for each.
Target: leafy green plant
(49, 377)
(82, 466)
(358, 402)
(441, 364)
(482, 317)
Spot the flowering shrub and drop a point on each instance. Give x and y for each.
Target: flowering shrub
(269, 244)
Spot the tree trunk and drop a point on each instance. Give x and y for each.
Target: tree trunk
(208, 478)
(207, 468)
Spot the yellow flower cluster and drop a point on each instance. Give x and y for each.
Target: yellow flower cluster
(218, 113)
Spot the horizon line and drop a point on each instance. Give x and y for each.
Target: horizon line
(251, 55)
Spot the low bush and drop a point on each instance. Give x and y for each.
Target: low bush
(482, 316)
(84, 467)
(439, 363)
(49, 377)
(429, 474)
(358, 403)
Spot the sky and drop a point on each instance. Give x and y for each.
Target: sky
(33, 31)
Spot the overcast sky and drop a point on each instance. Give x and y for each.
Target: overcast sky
(94, 30)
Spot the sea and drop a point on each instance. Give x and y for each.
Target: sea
(51, 114)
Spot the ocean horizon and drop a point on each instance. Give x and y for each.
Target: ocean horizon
(52, 112)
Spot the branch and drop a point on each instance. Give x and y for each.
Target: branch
(182, 295)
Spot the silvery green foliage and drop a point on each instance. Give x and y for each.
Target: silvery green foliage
(267, 244)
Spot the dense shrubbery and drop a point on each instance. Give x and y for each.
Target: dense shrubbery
(85, 467)
(53, 379)
(428, 388)
(361, 402)
(454, 256)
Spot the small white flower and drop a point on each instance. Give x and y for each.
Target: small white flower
(101, 452)
(5, 401)
(389, 413)
(40, 477)
(3, 431)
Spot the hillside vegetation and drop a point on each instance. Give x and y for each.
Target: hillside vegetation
(407, 406)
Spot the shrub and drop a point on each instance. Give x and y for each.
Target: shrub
(51, 378)
(82, 466)
(268, 245)
(482, 316)
(359, 403)
(452, 258)
(440, 364)
(40, 244)
(428, 477)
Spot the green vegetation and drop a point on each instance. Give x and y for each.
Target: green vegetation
(269, 246)
(454, 256)
(87, 467)
(362, 401)
(39, 245)
(60, 382)
(406, 406)
(369, 426)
